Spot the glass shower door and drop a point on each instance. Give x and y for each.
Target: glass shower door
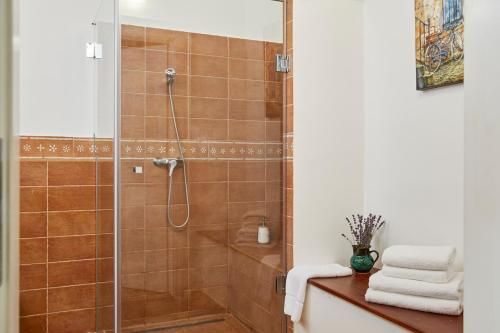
(225, 130)
(102, 52)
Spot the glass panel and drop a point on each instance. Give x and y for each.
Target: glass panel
(9, 190)
(103, 29)
(219, 121)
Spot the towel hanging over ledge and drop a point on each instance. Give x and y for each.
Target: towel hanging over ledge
(296, 285)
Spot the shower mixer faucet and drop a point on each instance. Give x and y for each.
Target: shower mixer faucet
(170, 163)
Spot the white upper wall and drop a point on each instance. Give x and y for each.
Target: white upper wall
(414, 141)
(482, 166)
(328, 126)
(62, 92)
(251, 19)
(56, 78)
(365, 139)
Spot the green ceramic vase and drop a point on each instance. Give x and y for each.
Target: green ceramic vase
(362, 260)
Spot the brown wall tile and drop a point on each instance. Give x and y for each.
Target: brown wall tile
(208, 235)
(133, 58)
(247, 69)
(71, 273)
(72, 321)
(209, 45)
(71, 298)
(33, 302)
(207, 257)
(71, 173)
(132, 104)
(33, 250)
(208, 66)
(166, 40)
(207, 171)
(247, 110)
(132, 127)
(72, 198)
(71, 248)
(212, 108)
(133, 36)
(33, 199)
(70, 223)
(247, 49)
(247, 89)
(208, 87)
(33, 173)
(208, 277)
(33, 276)
(247, 170)
(33, 225)
(247, 130)
(246, 191)
(208, 129)
(34, 324)
(133, 82)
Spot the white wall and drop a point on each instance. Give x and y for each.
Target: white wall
(365, 139)
(56, 78)
(59, 84)
(252, 19)
(328, 121)
(482, 166)
(414, 141)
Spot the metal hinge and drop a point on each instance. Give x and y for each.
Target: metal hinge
(280, 285)
(93, 50)
(282, 63)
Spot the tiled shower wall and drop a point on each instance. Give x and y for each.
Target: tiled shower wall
(228, 101)
(60, 224)
(229, 109)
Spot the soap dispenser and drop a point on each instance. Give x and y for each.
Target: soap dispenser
(263, 235)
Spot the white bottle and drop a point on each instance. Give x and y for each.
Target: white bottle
(263, 235)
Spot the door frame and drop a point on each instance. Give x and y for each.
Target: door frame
(9, 220)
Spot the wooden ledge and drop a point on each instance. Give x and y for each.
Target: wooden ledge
(353, 289)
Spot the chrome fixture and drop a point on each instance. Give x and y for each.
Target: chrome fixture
(93, 50)
(172, 163)
(282, 63)
(170, 73)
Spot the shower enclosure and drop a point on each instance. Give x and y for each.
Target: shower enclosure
(198, 158)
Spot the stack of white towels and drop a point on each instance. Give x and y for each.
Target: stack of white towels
(418, 278)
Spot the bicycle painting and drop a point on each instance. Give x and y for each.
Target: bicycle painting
(439, 40)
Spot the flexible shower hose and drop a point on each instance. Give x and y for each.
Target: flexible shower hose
(184, 166)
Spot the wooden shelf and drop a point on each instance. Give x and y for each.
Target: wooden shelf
(353, 289)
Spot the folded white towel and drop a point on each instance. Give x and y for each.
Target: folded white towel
(418, 274)
(427, 304)
(434, 258)
(296, 285)
(451, 290)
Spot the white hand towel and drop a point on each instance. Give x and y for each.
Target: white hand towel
(296, 285)
(434, 258)
(427, 304)
(451, 290)
(418, 274)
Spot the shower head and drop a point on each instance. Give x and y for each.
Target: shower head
(170, 73)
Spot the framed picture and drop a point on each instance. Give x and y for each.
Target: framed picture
(439, 43)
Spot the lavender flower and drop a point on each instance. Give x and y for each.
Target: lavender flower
(363, 229)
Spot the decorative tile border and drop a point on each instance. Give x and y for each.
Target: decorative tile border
(65, 147)
(61, 147)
